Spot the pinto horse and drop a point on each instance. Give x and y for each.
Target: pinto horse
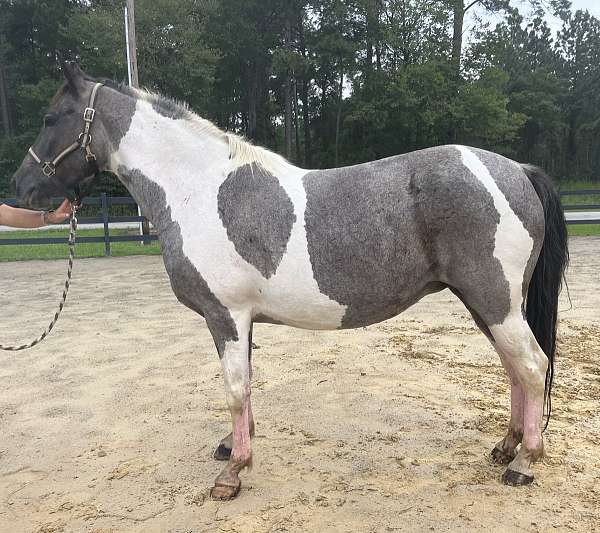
(247, 237)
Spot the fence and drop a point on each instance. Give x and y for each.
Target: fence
(580, 213)
(576, 214)
(580, 216)
(105, 202)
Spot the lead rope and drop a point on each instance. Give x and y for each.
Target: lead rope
(72, 231)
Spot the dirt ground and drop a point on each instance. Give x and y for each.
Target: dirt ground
(109, 425)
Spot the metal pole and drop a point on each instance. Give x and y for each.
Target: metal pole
(132, 74)
(127, 46)
(131, 44)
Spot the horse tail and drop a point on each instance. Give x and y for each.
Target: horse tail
(541, 306)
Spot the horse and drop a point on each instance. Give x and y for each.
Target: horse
(248, 238)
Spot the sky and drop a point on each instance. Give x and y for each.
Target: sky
(593, 6)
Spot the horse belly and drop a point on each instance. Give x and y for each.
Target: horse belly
(365, 242)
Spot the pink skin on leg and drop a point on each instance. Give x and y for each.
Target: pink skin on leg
(223, 450)
(241, 453)
(236, 372)
(517, 405)
(532, 434)
(227, 484)
(505, 450)
(532, 447)
(526, 363)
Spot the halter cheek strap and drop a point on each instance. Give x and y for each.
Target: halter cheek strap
(83, 141)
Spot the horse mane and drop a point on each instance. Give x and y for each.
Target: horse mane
(241, 151)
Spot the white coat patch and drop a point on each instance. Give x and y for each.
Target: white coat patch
(190, 172)
(513, 244)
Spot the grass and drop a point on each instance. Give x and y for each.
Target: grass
(584, 230)
(579, 186)
(27, 252)
(581, 230)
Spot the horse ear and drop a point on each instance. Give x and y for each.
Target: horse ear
(74, 75)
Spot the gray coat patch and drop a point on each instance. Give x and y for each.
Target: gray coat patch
(169, 108)
(258, 216)
(381, 235)
(188, 284)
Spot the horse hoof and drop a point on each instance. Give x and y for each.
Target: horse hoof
(500, 457)
(225, 492)
(516, 479)
(222, 453)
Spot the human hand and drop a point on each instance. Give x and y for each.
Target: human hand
(61, 213)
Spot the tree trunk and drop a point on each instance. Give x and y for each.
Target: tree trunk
(288, 93)
(338, 118)
(372, 36)
(252, 100)
(457, 36)
(296, 125)
(6, 124)
(306, 124)
(289, 125)
(369, 43)
(305, 103)
(4, 102)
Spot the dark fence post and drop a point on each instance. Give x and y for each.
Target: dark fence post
(104, 201)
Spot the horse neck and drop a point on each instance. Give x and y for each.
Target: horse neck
(165, 147)
(158, 155)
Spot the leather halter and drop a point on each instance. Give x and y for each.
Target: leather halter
(83, 141)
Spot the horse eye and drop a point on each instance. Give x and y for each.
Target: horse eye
(49, 120)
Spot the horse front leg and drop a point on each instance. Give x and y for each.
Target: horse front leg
(236, 371)
(223, 450)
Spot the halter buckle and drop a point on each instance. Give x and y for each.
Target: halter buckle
(90, 156)
(48, 169)
(89, 114)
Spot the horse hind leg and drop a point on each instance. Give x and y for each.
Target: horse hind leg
(505, 450)
(528, 365)
(525, 364)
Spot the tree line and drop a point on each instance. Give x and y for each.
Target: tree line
(329, 82)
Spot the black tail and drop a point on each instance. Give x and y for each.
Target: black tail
(542, 296)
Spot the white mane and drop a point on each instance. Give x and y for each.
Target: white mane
(241, 152)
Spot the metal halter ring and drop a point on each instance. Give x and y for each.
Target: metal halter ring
(87, 139)
(48, 169)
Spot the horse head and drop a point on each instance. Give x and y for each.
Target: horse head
(71, 147)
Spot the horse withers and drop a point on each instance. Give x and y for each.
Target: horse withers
(247, 237)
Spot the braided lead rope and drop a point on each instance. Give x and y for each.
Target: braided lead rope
(72, 232)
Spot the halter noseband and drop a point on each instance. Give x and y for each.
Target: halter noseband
(84, 141)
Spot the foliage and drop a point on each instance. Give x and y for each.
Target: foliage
(330, 82)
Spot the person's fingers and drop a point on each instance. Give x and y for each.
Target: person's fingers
(65, 206)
